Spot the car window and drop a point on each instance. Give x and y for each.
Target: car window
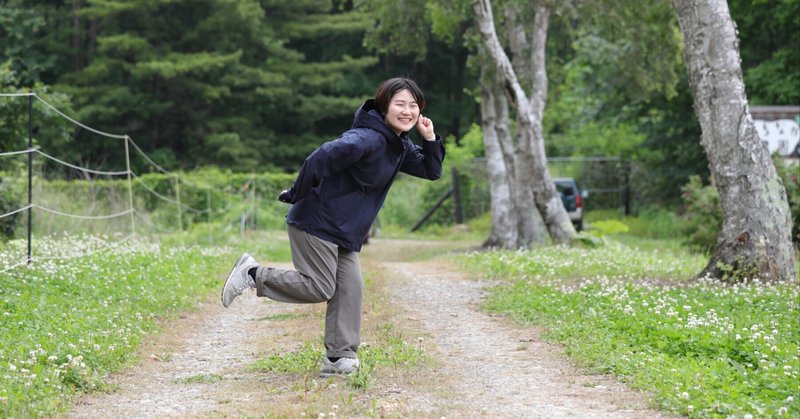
(565, 189)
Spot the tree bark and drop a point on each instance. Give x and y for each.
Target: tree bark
(532, 172)
(519, 47)
(547, 197)
(504, 220)
(755, 240)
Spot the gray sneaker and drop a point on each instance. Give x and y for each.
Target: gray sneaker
(238, 280)
(341, 366)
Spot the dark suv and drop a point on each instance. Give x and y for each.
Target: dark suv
(572, 197)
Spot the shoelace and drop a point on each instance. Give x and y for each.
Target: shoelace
(247, 283)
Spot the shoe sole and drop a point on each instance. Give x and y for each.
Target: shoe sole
(235, 265)
(334, 374)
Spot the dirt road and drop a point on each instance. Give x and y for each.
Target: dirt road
(477, 365)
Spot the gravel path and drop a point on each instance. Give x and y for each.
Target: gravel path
(483, 366)
(184, 376)
(497, 369)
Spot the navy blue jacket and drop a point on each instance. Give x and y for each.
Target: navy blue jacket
(342, 184)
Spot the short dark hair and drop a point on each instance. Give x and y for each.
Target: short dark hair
(390, 87)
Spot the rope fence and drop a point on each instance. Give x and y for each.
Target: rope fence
(128, 209)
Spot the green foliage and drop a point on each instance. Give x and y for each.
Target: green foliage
(770, 49)
(791, 181)
(11, 199)
(605, 227)
(672, 151)
(235, 83)
(19, 49)
(67, 323)
(595, 139)
(703, 348)
(386, 38)
(50, 131)
(611, 83)
(429, 41)
(610, 67)
(656, 223)
(703, 214)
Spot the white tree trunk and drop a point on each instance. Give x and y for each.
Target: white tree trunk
(535, 231)
(544, 191)
(504, 220)
(755, 239)
(532, 169)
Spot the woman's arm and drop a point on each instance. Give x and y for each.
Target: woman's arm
(426, 161)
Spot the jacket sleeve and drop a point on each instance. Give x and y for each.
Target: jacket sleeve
(425, 161)
(327, 160)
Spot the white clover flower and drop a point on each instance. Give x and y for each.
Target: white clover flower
(684, 395)
(12, 367)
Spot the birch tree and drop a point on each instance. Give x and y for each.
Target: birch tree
(499, 162)
(755, 240)
(532, 175)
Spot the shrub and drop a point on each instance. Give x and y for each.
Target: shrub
(703, 214)
(10, 200)
(791, 181)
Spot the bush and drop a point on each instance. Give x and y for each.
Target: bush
(791, 181)
(10, 200)
(703, 214)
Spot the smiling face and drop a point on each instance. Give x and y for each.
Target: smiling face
(402, 113)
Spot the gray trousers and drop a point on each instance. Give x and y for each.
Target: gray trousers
(325, 272)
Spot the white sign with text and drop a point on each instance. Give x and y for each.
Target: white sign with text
(782, 135)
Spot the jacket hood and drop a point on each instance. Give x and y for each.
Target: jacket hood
(368, 116)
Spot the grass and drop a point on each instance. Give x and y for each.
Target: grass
(68, 322)
(703, 348)
(390, 348)
(201, 379)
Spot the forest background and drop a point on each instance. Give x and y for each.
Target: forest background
(254, 86)
(224, 99)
